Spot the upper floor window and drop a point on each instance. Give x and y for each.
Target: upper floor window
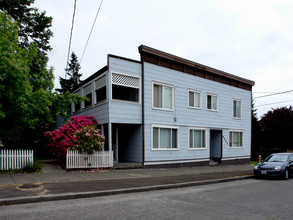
(101, 89)
(235, 139)
(162, 96)
(197, 138)
(212, 102)
(87, 91)
(125, 87)
(165, 137)
(236, 108)
(194, 99)
(77, 104)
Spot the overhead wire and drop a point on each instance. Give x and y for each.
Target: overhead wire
(273, 103)
(91, 31)
(69, 47)
(277, 93)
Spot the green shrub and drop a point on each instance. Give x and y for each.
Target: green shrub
(31, 168)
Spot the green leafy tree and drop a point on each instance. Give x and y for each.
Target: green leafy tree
(26, 98)
(277, 128)
(14, 86)
(73, 73)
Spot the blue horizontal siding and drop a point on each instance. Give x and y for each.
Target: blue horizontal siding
(121, 111)
(188, 117)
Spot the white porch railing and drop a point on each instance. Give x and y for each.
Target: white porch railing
(15, 159)
(75, 160)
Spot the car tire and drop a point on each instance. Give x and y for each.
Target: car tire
(286, 174)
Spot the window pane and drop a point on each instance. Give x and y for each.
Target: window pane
(100, 94)
(236, 139)
(197, 138)
(155, 138)
(234, 109)
(174, 138)
(157, 96)
(197, 100)
(165, 138)
(77, 106)
(209, 102)
(89, 102)
(203, 134)
(238, 109)
(125, 93)
(191, 139)
(191, 99)
(167, 99)
(214, 102)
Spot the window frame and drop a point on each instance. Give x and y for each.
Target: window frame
(153, 100)
(205, 138)
(240, 112)
(230, 145)
(121, 100)
(217, 104)
(200, 99)
(167, 127)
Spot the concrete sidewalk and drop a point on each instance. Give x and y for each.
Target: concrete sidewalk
(54, 183)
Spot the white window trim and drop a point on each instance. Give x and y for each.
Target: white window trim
(238, 100)
(165, 126)
(125, 101)
(162, 84)
(95, 99)
(200, 99)
(232, 140)
(201, 129)
(211, 94)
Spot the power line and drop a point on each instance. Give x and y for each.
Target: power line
(277, 93)
(69, 47)
(273, 103)
(91, 31)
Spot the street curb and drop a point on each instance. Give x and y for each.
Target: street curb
(67, 196)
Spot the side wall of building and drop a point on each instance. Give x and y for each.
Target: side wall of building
(184, 118)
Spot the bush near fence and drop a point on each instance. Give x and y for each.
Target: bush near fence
(15, 159)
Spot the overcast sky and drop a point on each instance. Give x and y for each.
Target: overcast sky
(252, 39)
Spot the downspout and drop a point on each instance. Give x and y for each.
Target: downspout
(142, 105)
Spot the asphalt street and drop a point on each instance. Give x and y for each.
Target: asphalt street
(243, 199)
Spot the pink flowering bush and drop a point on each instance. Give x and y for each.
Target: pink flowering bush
(88, 139)
(63, 138)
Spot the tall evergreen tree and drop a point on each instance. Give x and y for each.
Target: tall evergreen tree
(34, 26)
(72, 71)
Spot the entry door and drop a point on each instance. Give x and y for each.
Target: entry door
(216, 145)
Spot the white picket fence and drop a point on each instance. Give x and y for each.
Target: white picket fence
(76, 160)
(15, 159)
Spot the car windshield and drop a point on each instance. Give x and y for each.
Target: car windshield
(276, 158)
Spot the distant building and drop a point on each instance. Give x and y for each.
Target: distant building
(168, 111)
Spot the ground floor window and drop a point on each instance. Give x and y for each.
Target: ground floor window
(197, 138)
(165, 137)
(235, 139)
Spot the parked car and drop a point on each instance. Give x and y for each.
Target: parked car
(275, 165)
